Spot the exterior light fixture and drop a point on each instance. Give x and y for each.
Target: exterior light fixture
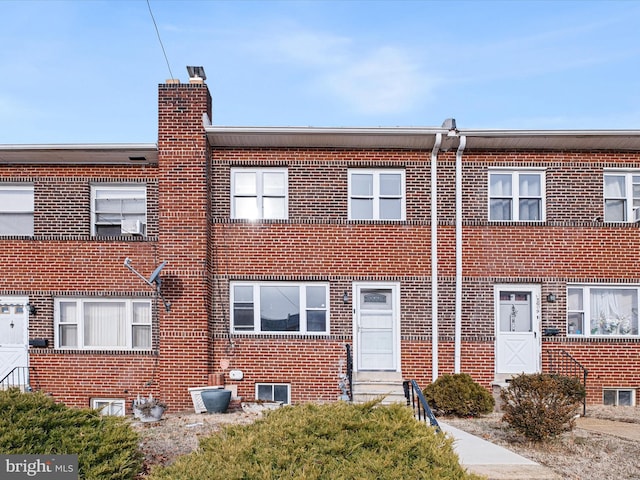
(345, 297)
(551, 298)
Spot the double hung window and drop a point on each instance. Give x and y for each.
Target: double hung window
(16, 210)
(377, 194)
(601, 310)
(95, 324)
(259, 193)
(621, 196)
(516, 196)
(118, 210)
(280, 307)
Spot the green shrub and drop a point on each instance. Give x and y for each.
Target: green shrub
(541, 406)
(336, 441)
(458, 395)
(33, 423)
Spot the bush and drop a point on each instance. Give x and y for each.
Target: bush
(337, 441)
(541, 406)
(33, 423)
(458, 395)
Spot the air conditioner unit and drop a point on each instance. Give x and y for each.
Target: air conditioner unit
(132, 227)
(636, 215)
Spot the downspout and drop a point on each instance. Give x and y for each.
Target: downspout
(434, 256)
(457, 355)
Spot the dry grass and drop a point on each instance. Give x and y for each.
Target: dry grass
(574, 455)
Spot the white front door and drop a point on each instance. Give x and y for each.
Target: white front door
(14, 342)
(518, 346)
(376, 325)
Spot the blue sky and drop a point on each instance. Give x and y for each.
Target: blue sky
(87, 71)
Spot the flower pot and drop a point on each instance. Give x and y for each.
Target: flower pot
(216, 401)
(149, 415)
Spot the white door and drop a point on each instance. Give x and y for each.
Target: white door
(376, 318)
(517, 329)
(14, 342)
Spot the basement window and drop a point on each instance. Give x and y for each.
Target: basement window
(619, 397)
(109, 406)
(273, 392)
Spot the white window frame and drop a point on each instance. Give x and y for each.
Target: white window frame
(515, 196)
(256, 286)
(14, 206)
(106, 406)
(79, 323)
(259, 194)
(617, 391)
(631, 203)
(376, 196)
(585, 312)
(118, 190)
(273, 385)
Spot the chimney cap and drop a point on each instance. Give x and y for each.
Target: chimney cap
(196, 72)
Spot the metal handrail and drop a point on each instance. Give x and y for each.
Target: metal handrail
(568, 366)
(415, 399)
(349, 371)
(18, 377)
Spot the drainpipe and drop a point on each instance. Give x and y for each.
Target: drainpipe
(434, 256)
(457, 356)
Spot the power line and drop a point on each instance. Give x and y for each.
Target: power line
(160, 40)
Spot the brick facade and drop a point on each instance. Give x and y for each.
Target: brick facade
(189, 226)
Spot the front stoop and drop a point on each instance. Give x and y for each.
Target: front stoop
(372, 385)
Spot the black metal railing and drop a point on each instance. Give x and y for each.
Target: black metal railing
(19, 377)
(349, 378)
(415, 399)
(562, 362)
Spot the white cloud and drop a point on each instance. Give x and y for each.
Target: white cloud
(382, 80)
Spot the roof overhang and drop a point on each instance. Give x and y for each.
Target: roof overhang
(76, 154)
(420, 138)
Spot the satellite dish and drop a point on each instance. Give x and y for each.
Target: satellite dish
(154, 276)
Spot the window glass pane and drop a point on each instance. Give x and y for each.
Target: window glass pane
(500, 185)
(574, 299)
(245, 183)
(575, 322)
(500, 209)
(281, 393)
(362, 184)
(529, 209)
(609, 397)
(16, 224)
(141, 312)
(243, 313)
(624, 398)
(279, 308)
(273, 207)
(390, 184)
(134, 206)
(265, 392)
(105, 324)
(614, 186)
(68, 336)
(246, 207)
(243, 293)
(361, 209)
(316, 320)
(614, 311)
(16, 199)
(530, 185)
(316, 296)
(390, 209)
(273, 184)
(68, 312)
(615, 210)
(141, 336)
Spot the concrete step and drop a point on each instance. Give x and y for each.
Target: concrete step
(372, 385)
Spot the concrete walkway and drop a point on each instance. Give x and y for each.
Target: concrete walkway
(626, 430)
(493, 461)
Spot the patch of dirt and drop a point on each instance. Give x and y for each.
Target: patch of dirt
(575, 455)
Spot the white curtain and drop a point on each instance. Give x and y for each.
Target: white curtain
(612, 311)
(105, 324)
